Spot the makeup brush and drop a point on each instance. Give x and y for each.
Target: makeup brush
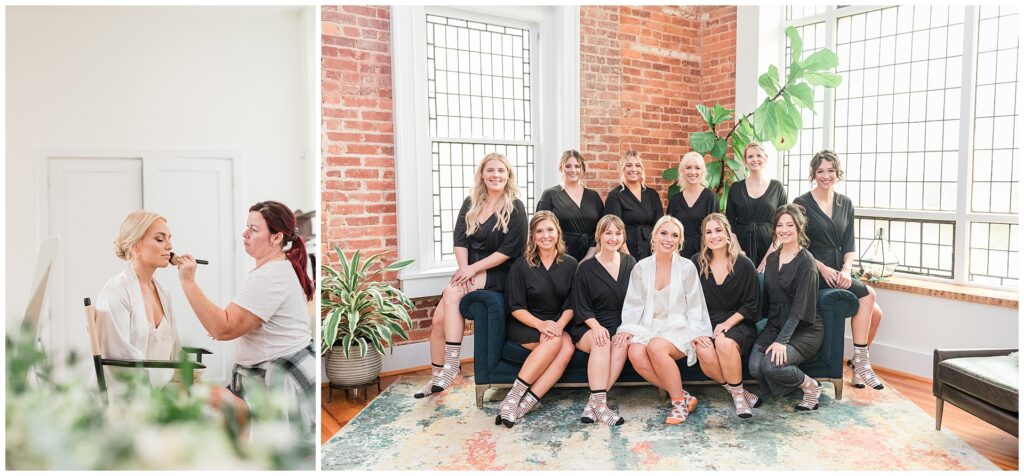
(175, 261)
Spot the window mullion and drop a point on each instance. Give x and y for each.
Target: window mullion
(828, 106)
(964, 179)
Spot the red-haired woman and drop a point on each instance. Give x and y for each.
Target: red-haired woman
(268, 316)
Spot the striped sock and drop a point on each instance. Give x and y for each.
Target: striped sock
(739, 400)
(507, 411)
(863, 374)
(451, 368)
(435, 370)
(812, 390)
(602, 412)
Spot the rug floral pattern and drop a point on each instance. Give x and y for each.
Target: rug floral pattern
(868, 429)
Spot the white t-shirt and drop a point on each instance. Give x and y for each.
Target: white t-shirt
(273, 293)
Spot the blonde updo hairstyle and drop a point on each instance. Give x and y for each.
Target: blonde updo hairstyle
(669, 219)
(133, 229)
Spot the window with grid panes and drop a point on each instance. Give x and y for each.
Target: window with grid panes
(479, 100)
(942, 184)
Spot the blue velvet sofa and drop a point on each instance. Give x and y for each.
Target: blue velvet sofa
(497, 361)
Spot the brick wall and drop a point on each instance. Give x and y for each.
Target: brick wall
(642, 72)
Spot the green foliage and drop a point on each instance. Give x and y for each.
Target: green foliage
(777, 119)
(359, 310)
(66, 426)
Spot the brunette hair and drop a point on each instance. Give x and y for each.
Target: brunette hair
(705, 256)
(574, 154)
(799, 218)
(281, 219)
(133, 229)
(823, 156)
(532, 253)
(603, 224)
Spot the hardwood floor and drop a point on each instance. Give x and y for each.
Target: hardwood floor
(998, 446)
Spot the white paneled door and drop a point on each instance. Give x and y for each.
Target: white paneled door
(88, 197)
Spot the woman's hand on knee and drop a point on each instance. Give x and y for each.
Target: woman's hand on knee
(702, 341)
(777, 353)
(599, 334)
(622, 339)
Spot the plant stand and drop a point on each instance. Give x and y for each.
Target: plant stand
(353, 390)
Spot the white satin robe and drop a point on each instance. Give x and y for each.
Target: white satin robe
(687, 312)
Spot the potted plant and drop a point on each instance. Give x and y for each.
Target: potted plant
(361, 317)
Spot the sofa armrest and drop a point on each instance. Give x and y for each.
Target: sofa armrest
(834, 306)
(840, 303)
(945, 354)
(487, 311)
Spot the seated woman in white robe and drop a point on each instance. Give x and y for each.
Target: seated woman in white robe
(665, 317)
(134, 316)
(135, 319)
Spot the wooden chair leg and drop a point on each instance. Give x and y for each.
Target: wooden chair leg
(480, 389)
(939, 403)
(837, 384)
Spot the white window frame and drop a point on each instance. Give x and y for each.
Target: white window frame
(556, 124)
(767, 41)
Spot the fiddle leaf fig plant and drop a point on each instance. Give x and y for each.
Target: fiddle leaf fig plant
(359, 309)
(777, 119)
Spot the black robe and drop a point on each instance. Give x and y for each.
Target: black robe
(639, 216)
(831, 238)
(751, 218)
(487, 240)
(595, 294)
(543, 292)
(792, 293)
(739, 292)
(691, 217)
(578, 223)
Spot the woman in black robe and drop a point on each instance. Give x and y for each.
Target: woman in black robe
(598, 291)
(731, 291)
(794, 331)
(750, 216)
(538, 294)
(637, 205)
(830, 227)
(693, 203)
(578, 208)
(490, 229)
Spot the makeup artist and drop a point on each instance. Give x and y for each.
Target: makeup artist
(267, 317)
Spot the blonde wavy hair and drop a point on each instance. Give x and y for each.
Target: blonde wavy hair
(705, 255)
(532, 253)
(602, 226)
(478, 196)
(663, 220)
(133, 229)
(693, 157)
(574, 154)
(622, 168)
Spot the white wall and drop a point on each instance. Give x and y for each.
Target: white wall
(914, 325)
(184, 79)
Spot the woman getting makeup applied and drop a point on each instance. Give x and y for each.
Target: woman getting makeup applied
(267, 318)
(135, 319)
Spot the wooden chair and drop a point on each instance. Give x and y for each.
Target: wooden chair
(185, 365)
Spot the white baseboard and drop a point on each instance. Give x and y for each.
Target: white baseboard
(896, 358)
(411, 355)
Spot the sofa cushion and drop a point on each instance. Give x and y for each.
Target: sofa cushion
(992, 379)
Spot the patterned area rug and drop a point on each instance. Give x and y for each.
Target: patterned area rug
(867, 430)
